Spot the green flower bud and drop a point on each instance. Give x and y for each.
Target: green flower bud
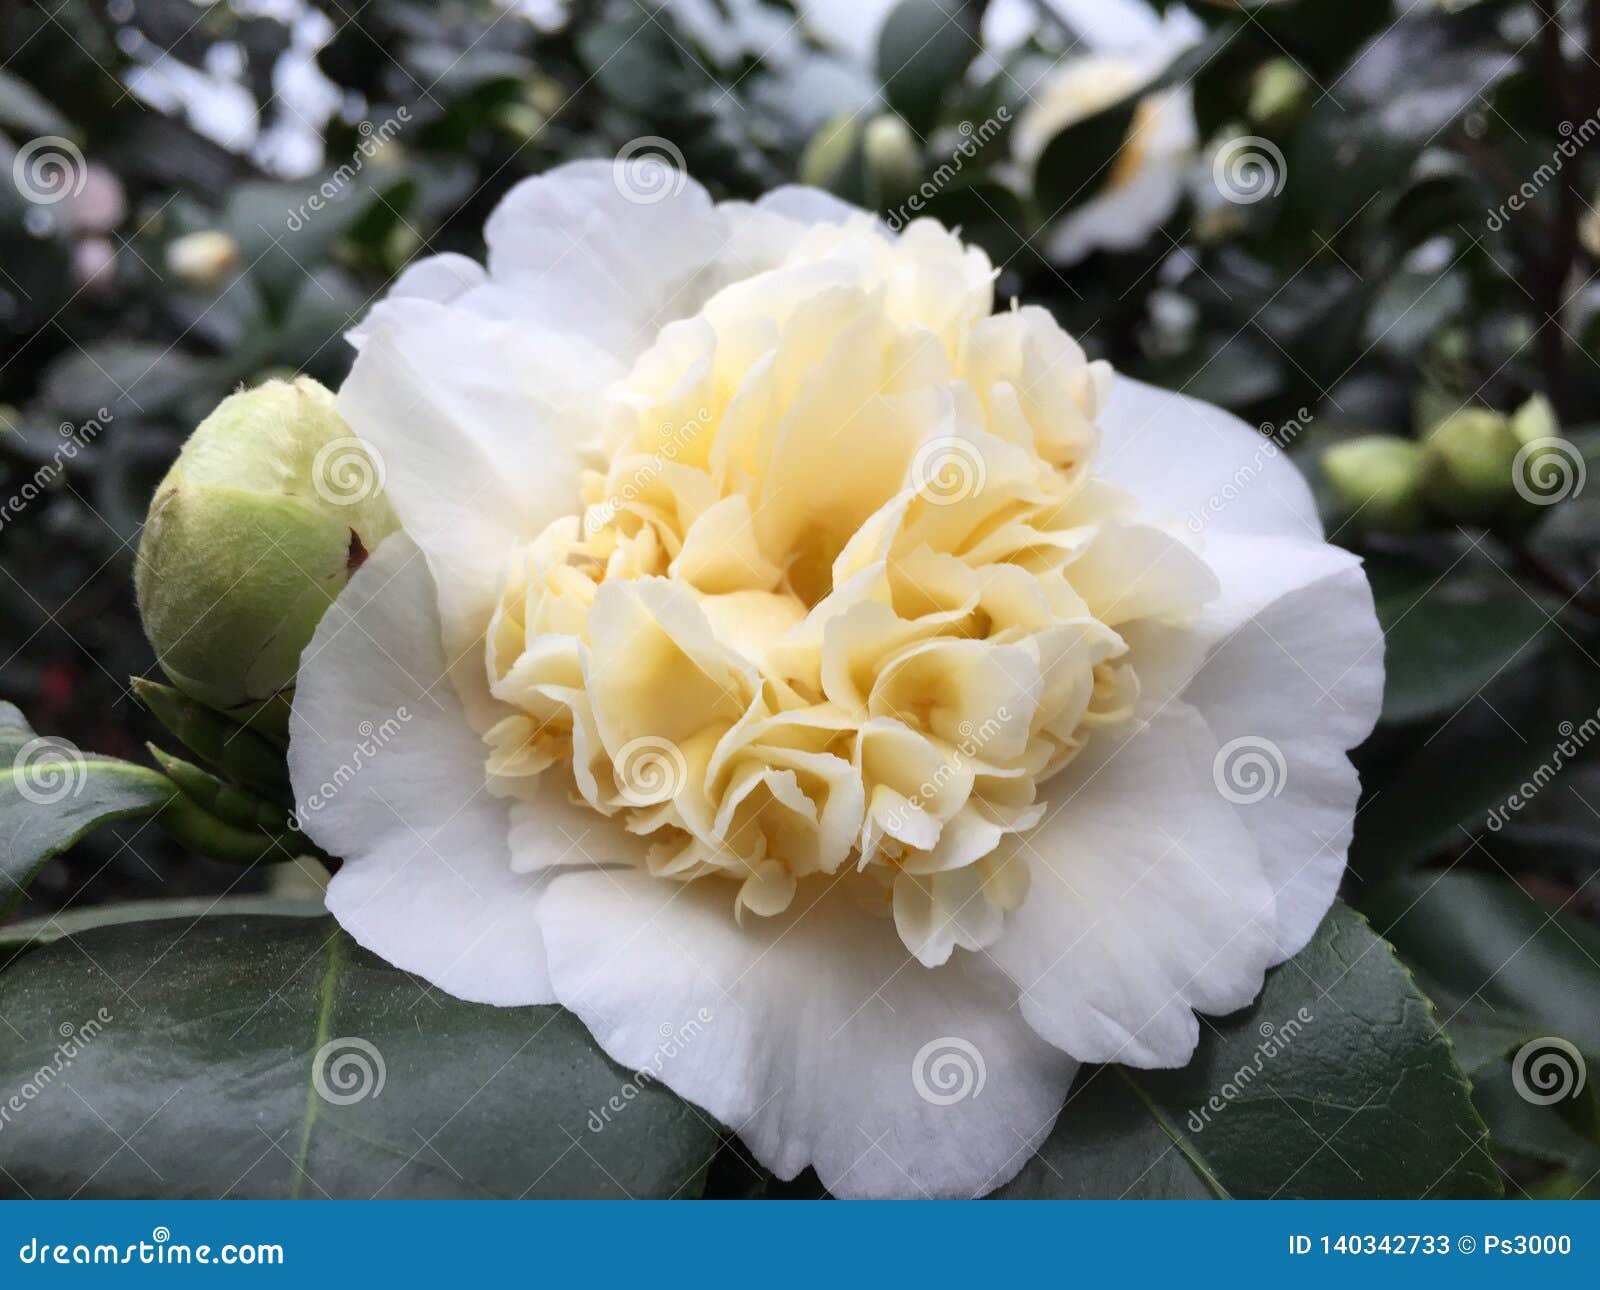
(829, 150)
(269, 509)
(893, 159)
(1535, 419)
(1277, 90)
(1468, 465)
(1378, 480)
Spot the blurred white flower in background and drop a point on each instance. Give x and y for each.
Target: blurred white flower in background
(1122, 45)
(1143, 186)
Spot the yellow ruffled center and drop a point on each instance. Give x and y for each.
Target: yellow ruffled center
(843, 592)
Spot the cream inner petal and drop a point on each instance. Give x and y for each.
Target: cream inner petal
(843, 591)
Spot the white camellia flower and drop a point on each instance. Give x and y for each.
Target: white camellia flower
(1145, 183)
(782, 636)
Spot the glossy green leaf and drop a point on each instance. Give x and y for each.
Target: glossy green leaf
(271, 1057)
(51, 794)
(924, 50)
(1336, 1082)
(1401, 91)
(1478, 937)
(1442, 647)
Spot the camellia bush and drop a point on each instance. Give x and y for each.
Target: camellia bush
(715, 600)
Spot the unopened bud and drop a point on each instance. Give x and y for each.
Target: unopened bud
(269, 509)
(1378, 480)
(892, 155)
(829, 151)
(1468, 465)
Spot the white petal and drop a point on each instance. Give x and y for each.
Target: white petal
(811, 1027)
(1289, 663)
(440, 278)
(599, 249)
(1188, 459)
(475, 424)
(1147, 902)
(389, 776)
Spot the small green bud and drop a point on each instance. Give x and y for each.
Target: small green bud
(1535, 419)
(1468, 465)
(1547, 468)
(829, 150)
(269, 509)
(893, 158)
(1277, 90)
(1378, 480)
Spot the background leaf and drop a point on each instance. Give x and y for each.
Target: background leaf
(202, 1078)
(1363, 1099)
